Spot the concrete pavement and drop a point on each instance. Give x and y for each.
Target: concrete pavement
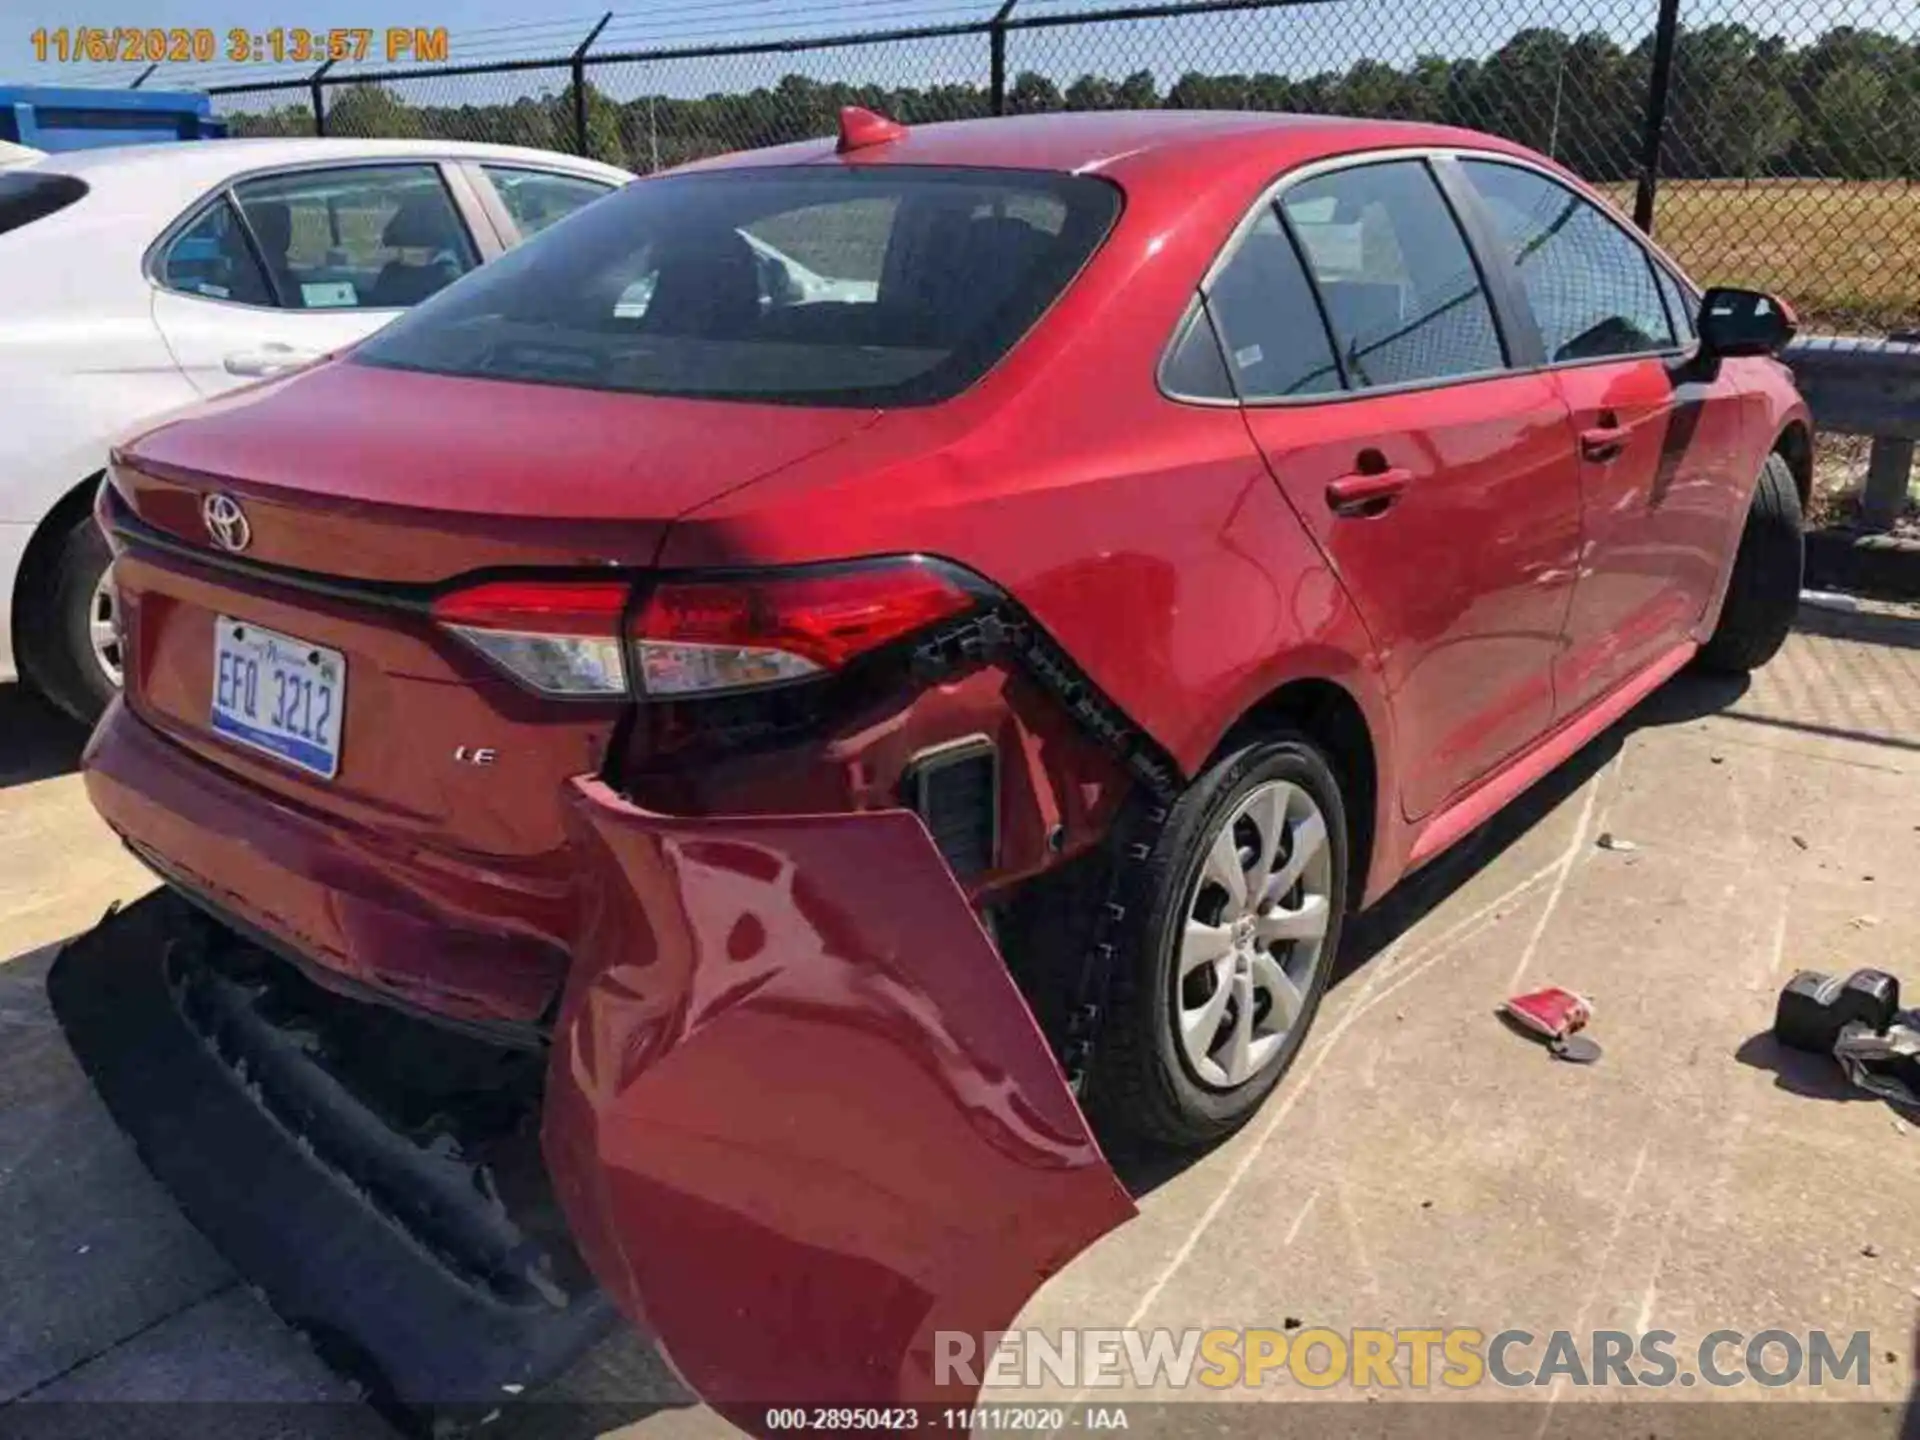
(1422, 1166)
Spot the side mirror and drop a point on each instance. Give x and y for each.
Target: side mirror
(1744, 322)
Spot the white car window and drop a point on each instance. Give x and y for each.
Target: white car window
(373, 237)
(211, 257)
(538, 198)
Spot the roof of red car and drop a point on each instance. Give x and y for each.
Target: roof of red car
(1121, 142)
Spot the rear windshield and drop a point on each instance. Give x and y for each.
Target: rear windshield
(883, 286)
(26, 196)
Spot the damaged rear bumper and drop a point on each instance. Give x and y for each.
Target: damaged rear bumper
(410, 1235)
(799, 1116)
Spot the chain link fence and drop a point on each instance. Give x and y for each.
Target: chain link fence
(1771, 145)
(649, 114)
(531, 107)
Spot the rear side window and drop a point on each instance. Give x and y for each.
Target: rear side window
(1193, 369)
(537, 198)
(26, 197)
(1590, 285)
(1270, 325)
(1399, 283)
(211, 257)
(375, 237)
(884, 286)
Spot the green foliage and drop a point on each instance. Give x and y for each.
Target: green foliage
(1846, 106)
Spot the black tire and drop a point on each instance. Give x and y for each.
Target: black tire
(1764, 591)
(56, 650)
(1142, 1086)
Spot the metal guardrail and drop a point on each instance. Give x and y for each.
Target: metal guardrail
(1860, 386)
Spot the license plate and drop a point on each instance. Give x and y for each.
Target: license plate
(278, 694)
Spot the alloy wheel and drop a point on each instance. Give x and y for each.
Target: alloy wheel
(103, 628)
(1256, 923)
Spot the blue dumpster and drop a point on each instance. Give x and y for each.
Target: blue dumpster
(57, 117)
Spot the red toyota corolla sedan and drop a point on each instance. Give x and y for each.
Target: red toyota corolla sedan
(818, 667)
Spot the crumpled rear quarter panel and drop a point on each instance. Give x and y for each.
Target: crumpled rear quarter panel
(798, 1115)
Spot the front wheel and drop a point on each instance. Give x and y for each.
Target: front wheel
(1238, 919)
(1763, 594)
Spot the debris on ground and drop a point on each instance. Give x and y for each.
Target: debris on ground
(1555, 1016)
(1800, 840)
(1610, 841)
(1870, 1250)
(1858, 1021)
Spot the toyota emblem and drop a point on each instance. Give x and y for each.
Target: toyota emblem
(226, 522)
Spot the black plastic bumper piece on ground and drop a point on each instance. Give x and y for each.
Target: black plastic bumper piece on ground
(433, 1295)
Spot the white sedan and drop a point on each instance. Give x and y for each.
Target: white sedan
(138, 279)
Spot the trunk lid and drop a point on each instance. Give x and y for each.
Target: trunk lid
(363, 492)
(398, 477)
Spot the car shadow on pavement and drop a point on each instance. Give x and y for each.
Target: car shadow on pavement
(37, 742)
(1900, 631)
(1689, 696)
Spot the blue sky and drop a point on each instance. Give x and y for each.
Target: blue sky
(1295, 40)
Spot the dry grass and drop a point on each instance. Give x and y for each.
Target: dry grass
(1845, 252)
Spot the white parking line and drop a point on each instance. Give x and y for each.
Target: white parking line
(1409, 970)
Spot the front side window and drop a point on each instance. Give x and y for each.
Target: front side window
(374, 237)
(537, 198)
(1681, 305)
(1276, 343)
(894, 285)
(211, 258)
(1399, 284)
(1589, 284)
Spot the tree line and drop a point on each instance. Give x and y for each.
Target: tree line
(1845, 106)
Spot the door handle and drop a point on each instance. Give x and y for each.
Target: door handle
(1365, 494)
(269, 359)
(1604, 442)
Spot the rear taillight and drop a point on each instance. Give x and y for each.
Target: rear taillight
(702, 636)
(695, 636)
(557, 637)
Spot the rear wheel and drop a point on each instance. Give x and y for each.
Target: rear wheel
(1764, 591)
(1221, 974)
(70, 640)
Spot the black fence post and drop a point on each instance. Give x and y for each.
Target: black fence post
(319, 101)
(1659, 85)
(997, 56)
(580, 87)
(145, 75)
